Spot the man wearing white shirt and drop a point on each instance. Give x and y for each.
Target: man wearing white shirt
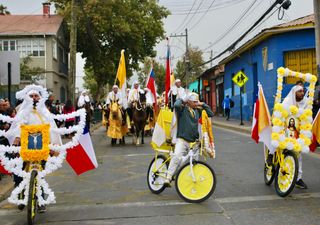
(114, 96)
(133, 97)
(176, 92)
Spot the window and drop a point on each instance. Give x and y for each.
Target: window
(0, 45)
(5, 45)
(301, 61)
(54, 49)
(12, 45)
(31, 47)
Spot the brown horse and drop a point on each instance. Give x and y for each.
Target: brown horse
(139, 118)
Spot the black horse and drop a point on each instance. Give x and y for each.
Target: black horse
(139, 118)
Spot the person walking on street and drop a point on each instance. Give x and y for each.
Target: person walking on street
(226, 106)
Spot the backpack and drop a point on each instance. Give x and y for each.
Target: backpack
(231, 103)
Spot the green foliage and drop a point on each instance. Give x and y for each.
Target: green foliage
(30, 73)
(3, 10)
(104, 28)
(159, 70)
(195, 59)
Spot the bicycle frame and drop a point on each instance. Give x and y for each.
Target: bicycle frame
(193, 152)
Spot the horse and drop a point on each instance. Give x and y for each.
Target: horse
(139, 118)
(116, 129)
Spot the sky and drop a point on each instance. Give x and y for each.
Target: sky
(212, 24)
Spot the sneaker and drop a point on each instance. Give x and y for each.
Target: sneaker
(42, 209)
(270, 159)
(300, 184)
(167, 182)
(21, 207)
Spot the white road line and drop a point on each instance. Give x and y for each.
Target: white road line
(128, 155)
(57, 208)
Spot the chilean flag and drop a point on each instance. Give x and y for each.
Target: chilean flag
(152, 87)
(315, 132)
(3, 170)
(82, 157)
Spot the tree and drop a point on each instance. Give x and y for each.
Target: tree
(3, 10)
(30, 73)
(106, 27)
(159, 70)
(195, 59)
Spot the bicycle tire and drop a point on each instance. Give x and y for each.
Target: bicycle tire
(32, 198)
(269, 173)
(156, 182)
(202, 189)
(287, 174)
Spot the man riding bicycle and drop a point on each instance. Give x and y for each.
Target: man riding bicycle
(188, 112)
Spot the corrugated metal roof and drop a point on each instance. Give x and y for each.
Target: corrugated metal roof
(29, 24)
(297, 22)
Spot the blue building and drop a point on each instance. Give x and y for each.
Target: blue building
(290, 45)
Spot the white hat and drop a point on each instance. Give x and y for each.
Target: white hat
(115, 86)
(191, 97)
(177, 80)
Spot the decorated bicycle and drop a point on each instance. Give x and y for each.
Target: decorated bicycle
(290, 134)
(36, 148)
(195, 180)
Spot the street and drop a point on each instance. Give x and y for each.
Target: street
(117, 192)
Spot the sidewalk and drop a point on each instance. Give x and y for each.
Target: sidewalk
(232, 124)
(6, 182)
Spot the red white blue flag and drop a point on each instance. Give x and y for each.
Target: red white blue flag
(152, 87)
(82, 157)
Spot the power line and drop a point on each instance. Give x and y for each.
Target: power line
(242, 16)
(194, 14)
(185, 17)
(232, 46)
(202, 16)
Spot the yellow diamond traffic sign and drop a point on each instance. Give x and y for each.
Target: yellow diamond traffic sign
(240, 78)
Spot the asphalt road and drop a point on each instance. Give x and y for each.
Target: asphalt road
(117, 192)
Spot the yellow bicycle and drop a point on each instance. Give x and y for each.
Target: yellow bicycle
(195, 180)
(284, 169)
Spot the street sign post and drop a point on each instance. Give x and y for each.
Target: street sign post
(240, 79)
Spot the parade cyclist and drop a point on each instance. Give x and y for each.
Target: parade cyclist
(188, 111)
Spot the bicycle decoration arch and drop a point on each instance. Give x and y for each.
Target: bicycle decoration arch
(281, 113)
(15, 165)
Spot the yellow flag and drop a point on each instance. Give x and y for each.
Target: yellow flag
(122, 78)
(172, 80)
(121, 73)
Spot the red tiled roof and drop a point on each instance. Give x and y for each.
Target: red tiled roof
(29, 24)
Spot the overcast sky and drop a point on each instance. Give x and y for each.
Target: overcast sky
(212, 24)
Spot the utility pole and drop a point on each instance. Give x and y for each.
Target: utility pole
(73, 50)
(186, 60)
(316, 6)
(211, 55)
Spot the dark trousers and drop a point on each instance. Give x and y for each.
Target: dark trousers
(227, 112)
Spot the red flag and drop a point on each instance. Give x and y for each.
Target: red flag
(82, 157)
(315, 132)
(3, 170)
(152, 87)
(168, 72)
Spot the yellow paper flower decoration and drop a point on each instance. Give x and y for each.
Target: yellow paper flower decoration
(281, 71)
(294, 109)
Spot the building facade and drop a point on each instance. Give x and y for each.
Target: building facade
(44, 38)
(290, 45)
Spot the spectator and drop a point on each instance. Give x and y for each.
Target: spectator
(226, 106)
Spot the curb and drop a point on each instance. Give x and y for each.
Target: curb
(232, 127)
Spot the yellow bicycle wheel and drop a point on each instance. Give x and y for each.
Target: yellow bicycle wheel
(197, 190)
(287, 174)
(32, 198)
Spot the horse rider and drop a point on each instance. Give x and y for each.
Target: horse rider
(132, 98)
(149, 104)
(176, 92)
(114, 96)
